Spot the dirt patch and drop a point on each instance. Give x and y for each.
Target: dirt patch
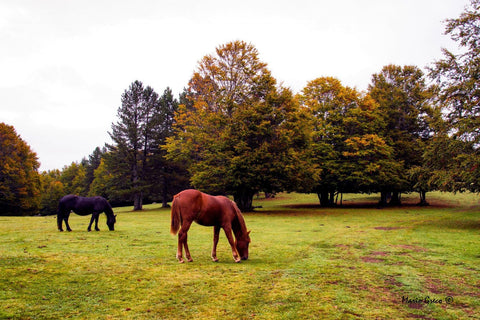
(388, 228)
(419, 316)
(372, 260)
(380, 253)
(393, 282)
(410, 247)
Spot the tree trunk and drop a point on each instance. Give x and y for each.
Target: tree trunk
(244, 200)
(383, 198)
(164, 189)
(324, 198)
(332, 199)
(423, 199)
(137, 201)
(396, 200)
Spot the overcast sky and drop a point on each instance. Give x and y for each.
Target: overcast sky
(64, 64)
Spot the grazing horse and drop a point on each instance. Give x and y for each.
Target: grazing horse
(206, 210)
(83, 207)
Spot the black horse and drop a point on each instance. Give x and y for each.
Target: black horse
(85, 206)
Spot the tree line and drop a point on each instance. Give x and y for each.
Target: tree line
(234, 130)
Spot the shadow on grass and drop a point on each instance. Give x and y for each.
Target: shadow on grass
(466, 224)
(317, 209)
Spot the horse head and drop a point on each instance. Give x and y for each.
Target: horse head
(111, 222)
(242, 245)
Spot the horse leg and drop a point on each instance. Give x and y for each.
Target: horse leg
(216, 235)
(228, 233)
(60, 221)
(97, 215)
(91, 222)
(182, 242)
(65, 218)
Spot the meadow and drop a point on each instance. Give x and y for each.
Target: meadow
(351, 262)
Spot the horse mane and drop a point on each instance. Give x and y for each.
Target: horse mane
(241, 221)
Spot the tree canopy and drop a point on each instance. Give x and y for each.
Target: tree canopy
(19, 178)
(457, 76)
(241, 134)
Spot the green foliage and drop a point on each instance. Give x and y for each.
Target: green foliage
(19, 178)
(52, 191)
(241, 133)
(73, 178)
(458, 77)
(345, 145)
(404, 101)
(305, 263)
(135, 159)
(102, 180)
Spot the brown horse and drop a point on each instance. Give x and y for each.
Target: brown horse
(206, 210)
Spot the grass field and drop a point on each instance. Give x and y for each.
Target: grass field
(306, 262)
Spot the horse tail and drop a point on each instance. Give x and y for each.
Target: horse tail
(59, 219)
(176, 218)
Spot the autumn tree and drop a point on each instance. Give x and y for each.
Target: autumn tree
(19, 178)
(345, 145)
(241, 133)
(404, 102)
(457, 76)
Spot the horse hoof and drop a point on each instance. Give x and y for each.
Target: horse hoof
(215, 259)
(190, 260)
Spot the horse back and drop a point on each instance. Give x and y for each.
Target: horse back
(83, 205)
(204, 209)
(216, 211)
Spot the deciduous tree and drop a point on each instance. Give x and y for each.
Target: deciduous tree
(242, 133)
(345, 144)
(19, 178)
(457, 75)
(404, 101)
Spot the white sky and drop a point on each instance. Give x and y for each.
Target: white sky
(64, 64)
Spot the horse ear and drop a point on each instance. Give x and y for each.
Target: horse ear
(249, 232)
(115, 216)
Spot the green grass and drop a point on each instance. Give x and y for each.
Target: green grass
(306, 262)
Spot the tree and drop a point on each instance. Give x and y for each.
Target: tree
(136, 159)
(52, 192)
(345, 145)
(91, 164)
(241, 133)
(457, 76)
(404, 101)
(73, 179)
(173, 175)
(19, 178)
(102, 181)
